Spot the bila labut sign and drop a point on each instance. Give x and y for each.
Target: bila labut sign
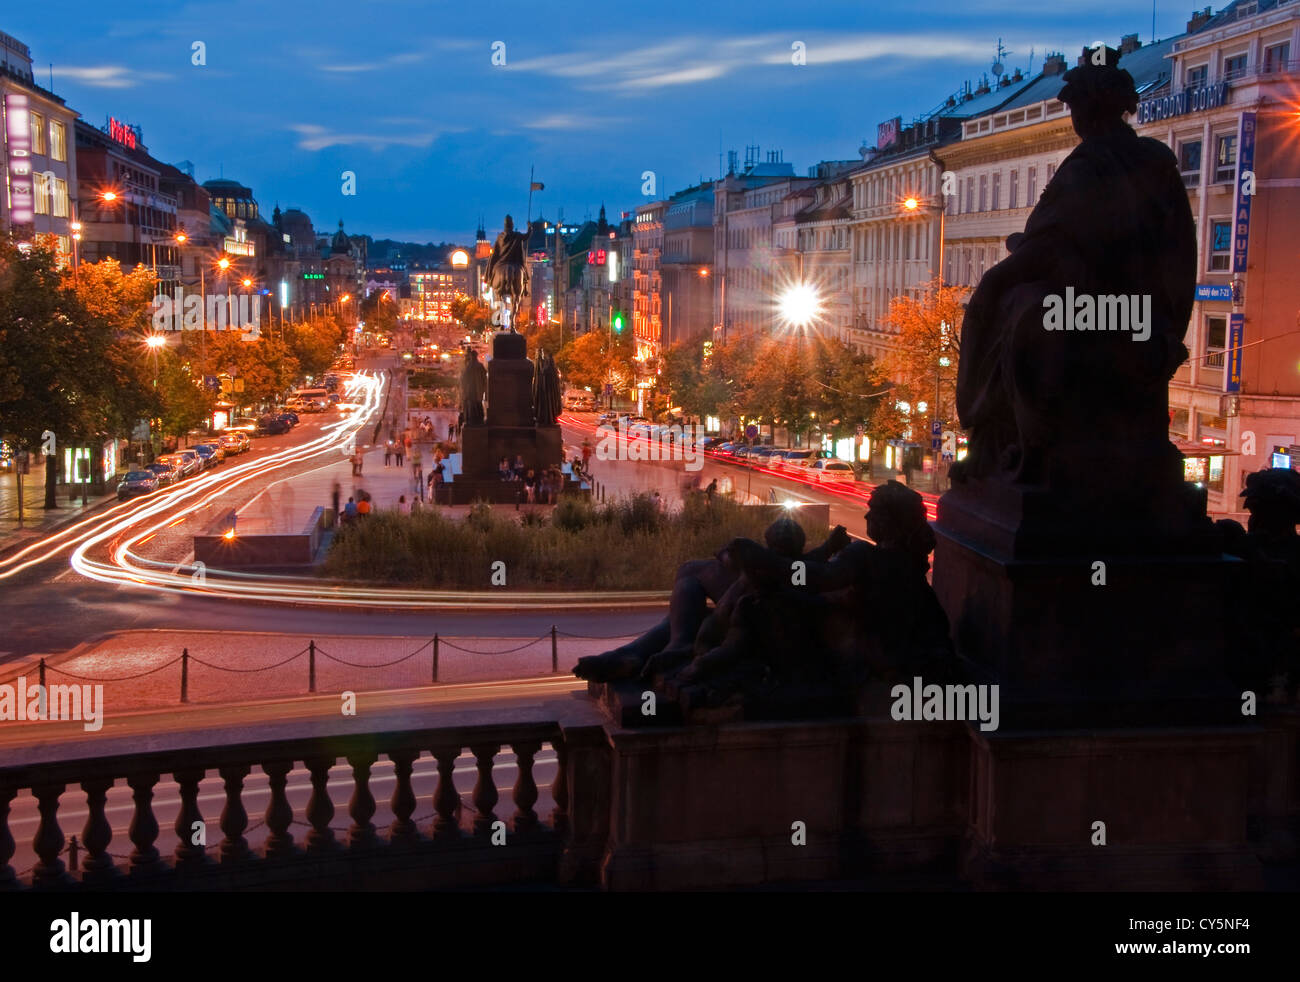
(1241, 218)
(1179, 103)
(18, 138)
(1236, 329)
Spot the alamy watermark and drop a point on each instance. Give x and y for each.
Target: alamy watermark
(1107, 312)
(646, 442)
(21, 703)
(946, 702)
(213, 312)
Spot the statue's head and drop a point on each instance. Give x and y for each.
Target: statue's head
(785, 537)
(1273, 500)
(509, 224)
(1098, 91)
(896, 519)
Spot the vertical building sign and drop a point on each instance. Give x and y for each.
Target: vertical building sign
(1232, 377)
(18, 140)
(1241, 217)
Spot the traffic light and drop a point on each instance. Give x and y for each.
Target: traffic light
(618, 322)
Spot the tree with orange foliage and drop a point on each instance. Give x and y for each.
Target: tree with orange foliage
(925, 360)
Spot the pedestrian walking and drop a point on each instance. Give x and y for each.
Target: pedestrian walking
(388, 453)
(399, 452)
(712, 489)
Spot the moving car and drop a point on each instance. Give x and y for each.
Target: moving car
(725, 449)
(289, 417)
(832, 471)
(136, 483)
(167, 474)
(242, 424)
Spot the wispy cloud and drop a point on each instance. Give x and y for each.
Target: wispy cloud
(109, 76)
(313, 137)
(379, 64)
(565, 121)
(688, 60)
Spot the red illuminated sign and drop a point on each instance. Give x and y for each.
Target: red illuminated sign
(596, 257)
(121, 132)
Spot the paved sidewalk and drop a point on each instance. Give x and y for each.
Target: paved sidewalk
(38, 522)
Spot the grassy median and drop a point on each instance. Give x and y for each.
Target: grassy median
(621, 545)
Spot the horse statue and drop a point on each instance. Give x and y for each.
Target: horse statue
(507, 273)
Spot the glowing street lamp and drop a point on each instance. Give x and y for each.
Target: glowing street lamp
(800, 304)
(155, 341)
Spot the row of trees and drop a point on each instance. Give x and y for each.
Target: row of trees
(75, 358)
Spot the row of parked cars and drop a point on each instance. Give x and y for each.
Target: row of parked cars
(824, 470)
(172, 468)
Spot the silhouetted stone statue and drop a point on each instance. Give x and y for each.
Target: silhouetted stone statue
(546, 389)
(1048, 397)
(507, 270)
(473, 387)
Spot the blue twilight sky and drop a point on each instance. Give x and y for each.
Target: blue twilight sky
(404, 92)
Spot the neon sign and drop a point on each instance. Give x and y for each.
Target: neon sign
(122, 133)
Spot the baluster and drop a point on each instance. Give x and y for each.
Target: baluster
(560, 788)
(8, 879)
(190, 854)
(362, 804)
(525, 790)
(97, 833)
(279, 813)
(403, 830)
(48, 841)
(485, 788)
(319, 808)
(446, 800)
(234, 817)
(143, 830)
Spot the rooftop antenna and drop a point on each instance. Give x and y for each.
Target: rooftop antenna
(997, 62)
(1153, 21)
(1031, 62)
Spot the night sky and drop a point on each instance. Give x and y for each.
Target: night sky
(405, 93)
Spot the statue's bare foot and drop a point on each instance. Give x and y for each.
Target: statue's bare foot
(665, 661)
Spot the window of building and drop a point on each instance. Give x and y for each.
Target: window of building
(970, 194)
(1178, 424)
(1014, 189)
(997, 192)
(984, 192)
(1234, 66)
(41, 193)
(58, 141)
(969, 280)
(59, 198)
(38, 134)
(1031, 188)
(1189, 162)
(1216, 339)
(1277, 57)
(1196, 76)
(1051, 172)
(1225, 158)
(1220, 245)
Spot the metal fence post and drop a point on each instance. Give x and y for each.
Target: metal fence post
(555, 657)
(185, 675)
(311, 666)
(435, 658)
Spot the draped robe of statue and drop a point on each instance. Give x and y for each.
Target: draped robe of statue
(473, 387)
(1054, 409)
(546, 389)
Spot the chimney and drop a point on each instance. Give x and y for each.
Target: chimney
(1054, 63)
(1129, 42)
(1199, 19)
(983, 86)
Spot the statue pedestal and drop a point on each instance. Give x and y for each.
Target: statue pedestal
(484, 446)
(510, 382)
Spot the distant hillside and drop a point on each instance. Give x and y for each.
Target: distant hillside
(381, 251)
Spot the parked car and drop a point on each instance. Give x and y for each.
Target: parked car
(832, 471)
(234, 443)
(271, 426)
(209, 453)
(765, 455)
(799, 459)
(186, 462)
(334, 398)
(289, 417)
(167, 473)
(742, 452)
(242, 424)
(136, 483)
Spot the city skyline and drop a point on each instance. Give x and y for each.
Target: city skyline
(430, 119)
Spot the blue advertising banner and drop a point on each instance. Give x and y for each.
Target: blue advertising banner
(1232, 377)
(1214, 291)
(1241, 218)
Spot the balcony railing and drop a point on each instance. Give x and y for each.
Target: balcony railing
(404, 855)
